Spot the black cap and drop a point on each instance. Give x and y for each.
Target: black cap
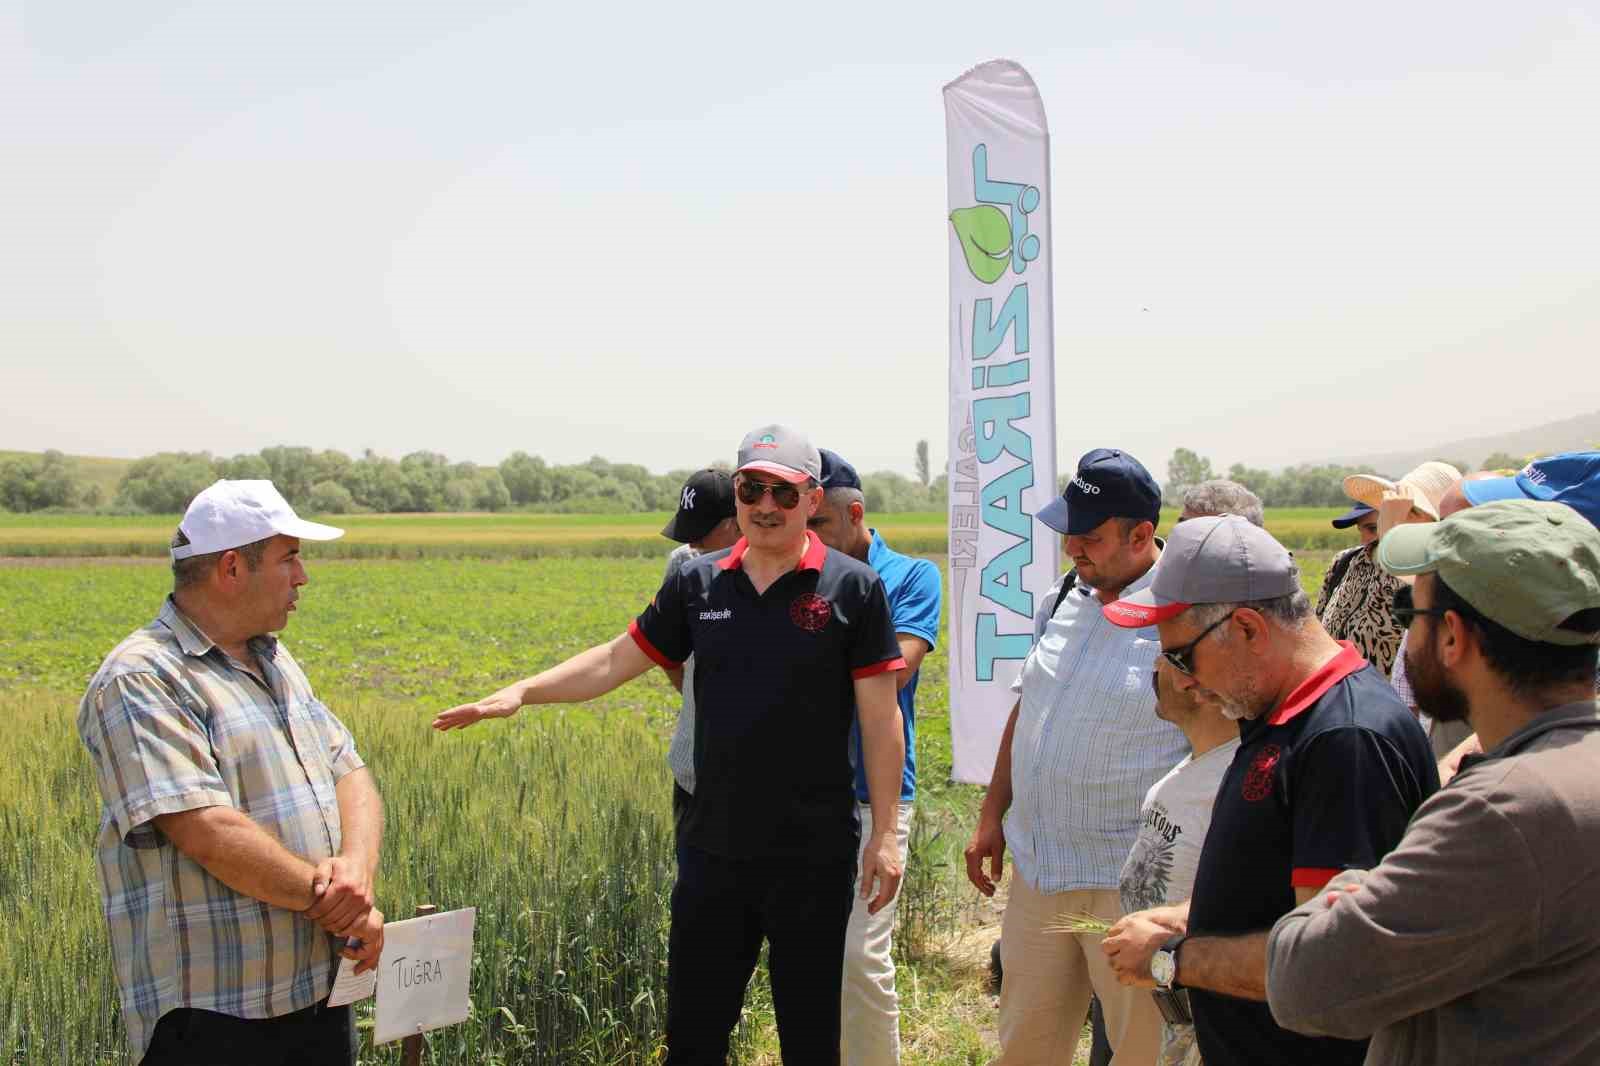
(1109, 484)
(706, 499)
(1352, 516)
(837, 473)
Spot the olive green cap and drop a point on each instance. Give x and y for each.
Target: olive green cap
(1527, 564)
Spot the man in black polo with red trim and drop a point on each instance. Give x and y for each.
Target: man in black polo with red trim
(792, 643)
(1330, 768)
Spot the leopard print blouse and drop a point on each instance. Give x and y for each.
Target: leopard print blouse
(1357, 609)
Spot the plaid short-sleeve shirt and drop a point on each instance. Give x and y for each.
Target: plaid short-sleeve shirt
(172, 723)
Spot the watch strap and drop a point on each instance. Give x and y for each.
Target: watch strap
(1174, 942)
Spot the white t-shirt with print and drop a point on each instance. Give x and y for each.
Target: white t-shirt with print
(1161, 867)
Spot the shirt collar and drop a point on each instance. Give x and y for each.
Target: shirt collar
(193, 640)
(815, 553)
(1342, 665)
(1567, 714)
(877, 550)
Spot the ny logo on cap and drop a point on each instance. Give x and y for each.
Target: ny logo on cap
(687, 503)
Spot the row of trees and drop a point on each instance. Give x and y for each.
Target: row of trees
(1307, 485)
(331, 482)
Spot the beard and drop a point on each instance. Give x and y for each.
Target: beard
(1437, 696)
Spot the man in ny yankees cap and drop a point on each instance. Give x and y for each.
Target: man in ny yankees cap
(793, 643)
(1082, 747)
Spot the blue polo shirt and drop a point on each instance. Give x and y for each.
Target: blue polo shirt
(913, 587)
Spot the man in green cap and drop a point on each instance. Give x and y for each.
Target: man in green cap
(1477, 938)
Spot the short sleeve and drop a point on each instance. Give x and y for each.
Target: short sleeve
(873, 648)
(662, 630)
(152, 755)
(1353, 795)
(916, 609)
(342, 755)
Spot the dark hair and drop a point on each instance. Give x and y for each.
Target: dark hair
(192, 571)
(1527, 665)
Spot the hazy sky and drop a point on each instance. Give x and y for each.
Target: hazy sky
(640, 231)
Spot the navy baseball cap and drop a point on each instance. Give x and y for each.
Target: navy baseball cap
(1109, 484)
(705, 499)
(836, 472)
(1572, 478)
(1352, 516)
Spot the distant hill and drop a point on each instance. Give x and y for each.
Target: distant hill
(89, 470)
(1570, 434)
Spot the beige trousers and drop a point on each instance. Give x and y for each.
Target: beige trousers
(1049, 976)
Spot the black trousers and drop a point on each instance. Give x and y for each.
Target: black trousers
(316, 1036)
(721, 911)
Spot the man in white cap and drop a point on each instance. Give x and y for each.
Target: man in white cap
(793, 643)
(241, 830)
(1329, 769)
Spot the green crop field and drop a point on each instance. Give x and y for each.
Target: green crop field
(556, 825)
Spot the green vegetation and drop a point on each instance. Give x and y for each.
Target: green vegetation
(556, 825)
(518, 535)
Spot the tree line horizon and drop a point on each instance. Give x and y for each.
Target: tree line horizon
(328, 481)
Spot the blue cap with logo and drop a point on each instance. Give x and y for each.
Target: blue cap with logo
(1572, 478)
(1352, 516)
(836, 472)
(1109, 484)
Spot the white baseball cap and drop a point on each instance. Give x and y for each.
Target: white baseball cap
(231, 514)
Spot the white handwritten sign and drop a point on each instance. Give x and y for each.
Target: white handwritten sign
(424, 975)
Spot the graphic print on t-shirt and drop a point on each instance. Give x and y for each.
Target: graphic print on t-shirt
(1147, 876)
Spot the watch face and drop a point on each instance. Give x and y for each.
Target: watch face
(1162, 968)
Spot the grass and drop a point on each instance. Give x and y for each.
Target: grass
(556, 825)
(515, 535)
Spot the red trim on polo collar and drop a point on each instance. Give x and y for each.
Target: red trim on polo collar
(816, 552)
(1313, 688)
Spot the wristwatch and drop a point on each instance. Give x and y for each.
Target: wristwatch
(1164, 963)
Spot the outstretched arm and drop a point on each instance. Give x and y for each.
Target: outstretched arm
(583, 677)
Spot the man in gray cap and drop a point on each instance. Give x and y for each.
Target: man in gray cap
(1330, 767)
(1477, 938)
(793, 643)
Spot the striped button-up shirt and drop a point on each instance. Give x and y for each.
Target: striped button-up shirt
(172, 723)
(1087, 746)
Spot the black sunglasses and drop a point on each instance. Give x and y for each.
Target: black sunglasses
(750, 492)
(1183, 658)
(1404, 609)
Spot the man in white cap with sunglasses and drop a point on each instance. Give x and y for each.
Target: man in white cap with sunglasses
(1330, 767)
(241, 830)
(793, 643)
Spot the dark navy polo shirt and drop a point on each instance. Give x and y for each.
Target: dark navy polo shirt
(774, 696)
(1327, 782)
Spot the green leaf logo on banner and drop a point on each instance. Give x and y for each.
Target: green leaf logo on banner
(985, 238)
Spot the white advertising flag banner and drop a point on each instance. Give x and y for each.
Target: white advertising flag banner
(1002, 397)
(424, 976)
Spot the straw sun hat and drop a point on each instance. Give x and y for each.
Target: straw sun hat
(1426, 485)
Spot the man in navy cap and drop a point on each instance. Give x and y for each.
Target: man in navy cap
(1356, 593)
(871, 1007)
(1082, 748)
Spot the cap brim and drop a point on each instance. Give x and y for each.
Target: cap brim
(1404, 549)
(1141, 609)
(788, 473)
(683, 528)
(1054, 514)
(1490, 489)
(310, 530)
(1352, 516)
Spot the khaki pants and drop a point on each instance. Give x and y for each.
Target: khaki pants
(870, 1025)
(1049, 977)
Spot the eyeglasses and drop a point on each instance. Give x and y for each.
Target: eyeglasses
(750, 492)
(1183, 658)
(1404, 611)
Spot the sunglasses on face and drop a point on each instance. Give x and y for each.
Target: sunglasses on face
(1404, 608)
(784, 494)
(1183, 658)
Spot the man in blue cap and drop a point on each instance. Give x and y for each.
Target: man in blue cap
(870, 1021)
(1082, 748)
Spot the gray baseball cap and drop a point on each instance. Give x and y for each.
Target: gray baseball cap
(782, 451)
(1216, 559)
